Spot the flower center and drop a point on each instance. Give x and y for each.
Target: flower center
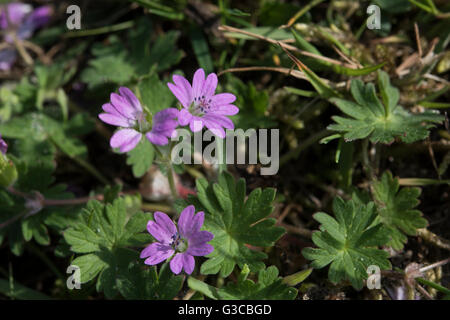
(143, 125)
(178, 243)
(200, 106)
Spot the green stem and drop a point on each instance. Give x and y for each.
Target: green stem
(302, 11)
(433, 285)
(365, 159)
(171, 178)
(101, 30)
(170, 173)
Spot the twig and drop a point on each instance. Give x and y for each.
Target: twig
(433, 239)
(297, 230)
(284, 45)
(419, 46)
(286, 71)
(434, 265)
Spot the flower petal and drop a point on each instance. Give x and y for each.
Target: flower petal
(188, 263)
(185, 220)
(222, 99)
(182, 90)
(16, 14)
(200, 250)
(219, 120)
(157, 138)
(176, 264)
(198, 82)
(109, 108)
(125, 139)
(165, 223)
(131, 98)
(225, 110)
(7, 59)
(182, 261)
(210, 85)
(196, 124)
(156, 253)
(115, 120)
(184, 117)
(124, 106)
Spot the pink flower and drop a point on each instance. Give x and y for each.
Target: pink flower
(201, 107)
(126, 112)
(185, 242)
(21, 19)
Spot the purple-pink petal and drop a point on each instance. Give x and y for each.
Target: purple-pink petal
(223, 99)
(185, 220)
(7, 59)
(210, 85)
(156, 253)
(165, 223)
(198, 82)
(38, 18)
(182, 261)
(219, 120)
(115, 120)
(190, 223)
(200, 250)
(182, 90)
(156, 138)
(125, 139)
(196, 124)
(16, 14)
(132, 100)
(184, 117)
(225, 110)
(124, 106)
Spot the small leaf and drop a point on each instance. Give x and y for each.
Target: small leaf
(141, 158)
(396, 209)
(348, 242)
(235, 223)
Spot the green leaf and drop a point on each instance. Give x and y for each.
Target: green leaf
(235, 223)
(348, 242)
(396, 209)
(21, 292)
(269, 287)
(141, 158)
(144, 283)
(380, 123)
(201, 49)
(155, 95)
(102, 236)
(100, 71)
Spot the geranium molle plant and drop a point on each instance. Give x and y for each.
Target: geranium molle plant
(19, 20)
(126, 112)
(201, 107)
(185, 240)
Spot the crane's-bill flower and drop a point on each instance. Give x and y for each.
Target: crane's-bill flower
(3, 145)
(185, 240)
(125, 111)
(20, 19)
(163, 126)
(201, 106)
